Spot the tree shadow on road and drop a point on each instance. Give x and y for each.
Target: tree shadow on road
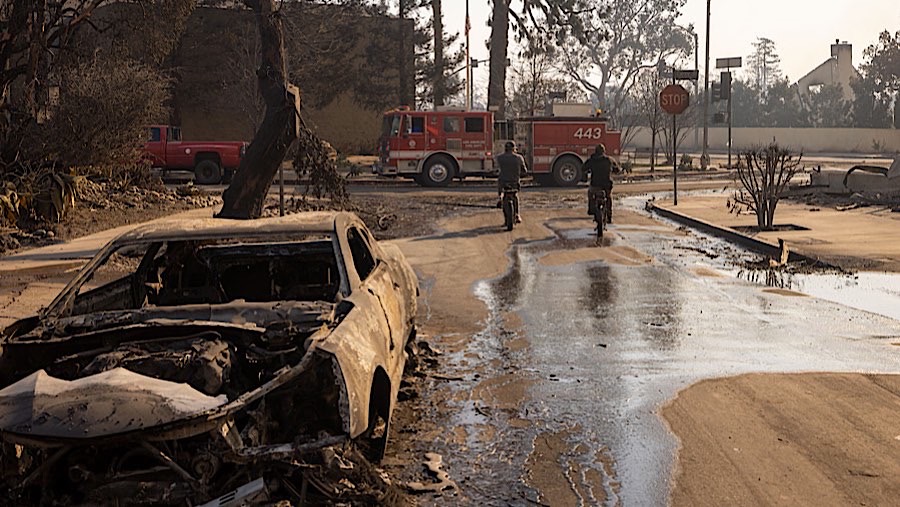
(469, 233)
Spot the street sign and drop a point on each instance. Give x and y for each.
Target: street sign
(687, 75)
(674, 99)
(729, 63)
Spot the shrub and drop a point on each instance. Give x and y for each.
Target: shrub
(764, 177)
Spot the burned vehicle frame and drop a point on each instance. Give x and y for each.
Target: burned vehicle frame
(217, 358)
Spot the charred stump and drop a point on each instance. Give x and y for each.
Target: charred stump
(245, 196)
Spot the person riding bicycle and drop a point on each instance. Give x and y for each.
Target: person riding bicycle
(512, 170)
(600, 167)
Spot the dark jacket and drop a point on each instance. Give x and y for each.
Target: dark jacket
(600, 167)
(512, 168)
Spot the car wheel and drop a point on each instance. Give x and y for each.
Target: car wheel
(207, 172)
(374, 439)
(567, 172)
(438, 171)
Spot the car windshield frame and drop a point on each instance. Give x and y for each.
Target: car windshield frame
(63, 304)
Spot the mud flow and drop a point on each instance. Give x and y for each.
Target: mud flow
(557, 398)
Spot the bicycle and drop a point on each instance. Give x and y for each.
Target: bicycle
(601, 211)
(510, 205)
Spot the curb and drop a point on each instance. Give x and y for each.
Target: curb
(732, 236)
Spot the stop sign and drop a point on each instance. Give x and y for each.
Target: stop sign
(674, 99)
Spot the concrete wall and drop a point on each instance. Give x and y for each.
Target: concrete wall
(810, 140)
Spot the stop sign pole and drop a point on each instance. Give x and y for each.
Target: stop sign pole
(674, 99)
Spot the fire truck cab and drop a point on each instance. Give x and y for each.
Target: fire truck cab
(434, 147)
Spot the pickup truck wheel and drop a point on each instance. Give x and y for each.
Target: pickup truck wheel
(208, 172)
(438, 171)
(567, 171)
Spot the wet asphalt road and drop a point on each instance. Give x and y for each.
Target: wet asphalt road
(610, 344)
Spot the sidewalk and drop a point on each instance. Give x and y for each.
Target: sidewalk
(76, 252)
(863, 238)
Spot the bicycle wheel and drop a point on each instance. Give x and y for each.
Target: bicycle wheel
(509, 213)
(599, 219)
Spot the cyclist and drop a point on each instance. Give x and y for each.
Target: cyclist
(512, 170)
(600, 166)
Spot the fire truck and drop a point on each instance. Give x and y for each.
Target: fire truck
(434, 147)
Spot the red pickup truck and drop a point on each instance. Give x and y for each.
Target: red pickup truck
(211, 162)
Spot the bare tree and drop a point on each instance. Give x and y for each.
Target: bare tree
(764, 176)
(243, 49)
(39, 38)
(534, 76)
(647, 111)
(31, 34)
(620, 42)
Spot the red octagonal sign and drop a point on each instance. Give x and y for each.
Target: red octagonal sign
(674, 99)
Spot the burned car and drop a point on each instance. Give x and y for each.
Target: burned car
(194, 359)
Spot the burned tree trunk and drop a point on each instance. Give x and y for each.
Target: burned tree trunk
(245, 196)
(438, 53)
(499, 45)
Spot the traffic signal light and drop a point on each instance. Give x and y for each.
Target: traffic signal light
(725, 87)
(716, 92)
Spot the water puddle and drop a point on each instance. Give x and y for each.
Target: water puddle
(877, 293)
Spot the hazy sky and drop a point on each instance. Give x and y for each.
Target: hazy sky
(803, 30)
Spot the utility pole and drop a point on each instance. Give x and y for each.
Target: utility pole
(468, 61)
(674, 149)
(696, 81)
(704, 157)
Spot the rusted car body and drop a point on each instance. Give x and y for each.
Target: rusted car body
(193, 359)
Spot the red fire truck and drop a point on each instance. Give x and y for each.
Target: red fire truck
(433, 147)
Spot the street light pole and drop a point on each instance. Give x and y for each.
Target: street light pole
(704, 157)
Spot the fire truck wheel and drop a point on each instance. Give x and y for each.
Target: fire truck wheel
(567, 171)
(438, 171)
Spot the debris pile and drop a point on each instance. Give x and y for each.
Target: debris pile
(98, 205)
(100, 195)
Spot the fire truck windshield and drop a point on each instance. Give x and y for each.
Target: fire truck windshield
(390, 126)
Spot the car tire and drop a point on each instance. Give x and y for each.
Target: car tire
(439, 171)
(374, 440)
(567, 171)
(208, 172)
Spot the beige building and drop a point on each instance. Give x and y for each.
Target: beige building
(837, 70)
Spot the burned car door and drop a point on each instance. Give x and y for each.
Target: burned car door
(362, 344)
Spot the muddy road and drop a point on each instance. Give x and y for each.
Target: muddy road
(561, 360)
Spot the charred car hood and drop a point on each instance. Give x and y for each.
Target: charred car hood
(108, 403)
